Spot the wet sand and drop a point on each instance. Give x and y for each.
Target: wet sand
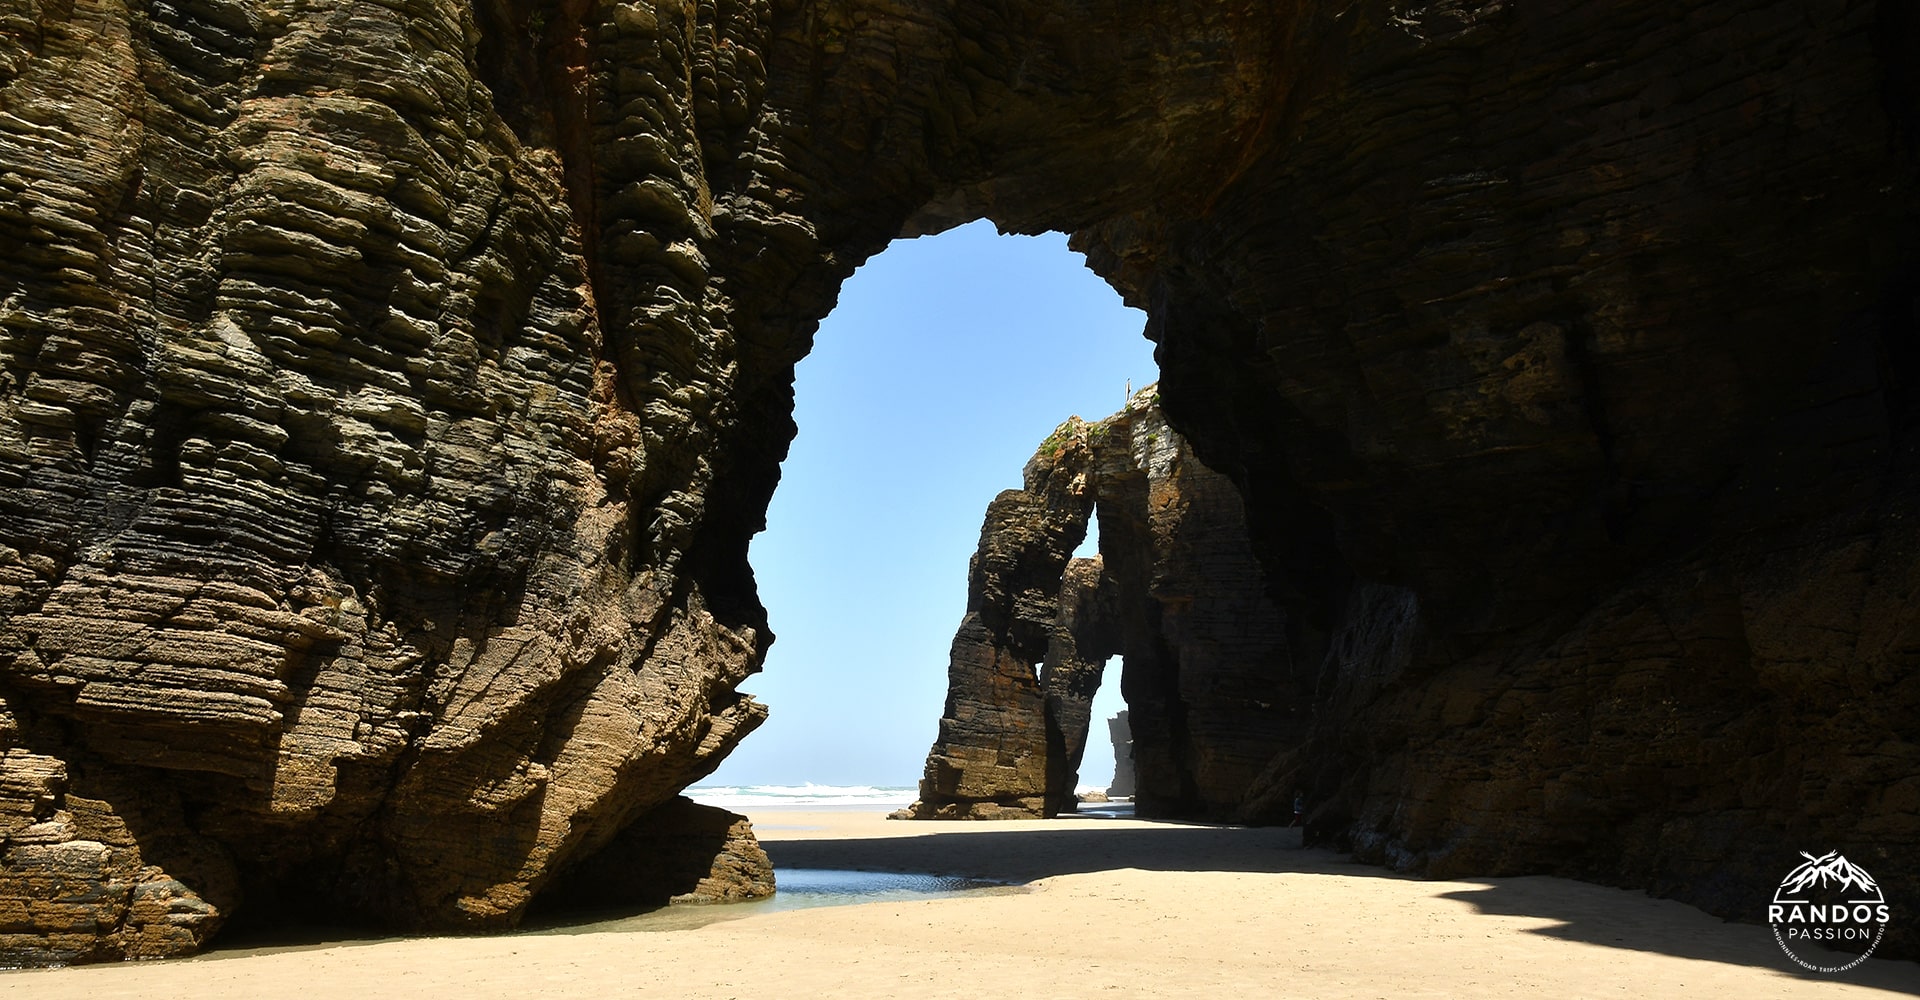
(1117, 908)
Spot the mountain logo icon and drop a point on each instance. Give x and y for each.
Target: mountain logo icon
(1828, 914)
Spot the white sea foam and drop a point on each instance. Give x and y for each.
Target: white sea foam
(750, 798)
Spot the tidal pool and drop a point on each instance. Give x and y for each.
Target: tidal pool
(798, 889)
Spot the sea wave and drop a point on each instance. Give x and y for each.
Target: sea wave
(745, 798)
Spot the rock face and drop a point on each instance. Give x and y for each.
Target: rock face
(1122, 736)
(368, 534)
(992, 757)
(1086, 632)
(1212, 693)
(388, 394)
(681, 852)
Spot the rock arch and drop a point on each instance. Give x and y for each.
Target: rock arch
(1213, 693)
(388, 394)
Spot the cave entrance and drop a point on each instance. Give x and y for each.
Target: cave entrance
(947, 359)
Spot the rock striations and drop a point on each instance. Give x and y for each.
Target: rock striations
(388, 393)
(992, 757)
(368, 424)
(1212, 693)
(681, 852)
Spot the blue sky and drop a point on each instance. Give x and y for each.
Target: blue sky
(947, 362)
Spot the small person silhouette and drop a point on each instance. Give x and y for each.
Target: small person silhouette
(1299, 808)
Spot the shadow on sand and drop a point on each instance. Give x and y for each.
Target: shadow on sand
(1582, 912)
(1578, 911)
(1593, 914)
(1065, 847)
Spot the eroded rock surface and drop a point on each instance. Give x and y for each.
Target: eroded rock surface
(1212, 692)
(388, 394)
(680, 852)
(991, 759)
(1213, 685)
(1086, 631)
(354, 489)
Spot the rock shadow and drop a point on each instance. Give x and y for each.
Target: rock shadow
(1592, 914)
(1069, 847)
(1582, 911)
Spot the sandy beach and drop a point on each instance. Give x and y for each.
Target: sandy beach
(1114, 908)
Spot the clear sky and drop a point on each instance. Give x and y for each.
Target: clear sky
(947, 362)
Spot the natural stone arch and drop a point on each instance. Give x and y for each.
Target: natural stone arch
(383, 435)
(1214, 695)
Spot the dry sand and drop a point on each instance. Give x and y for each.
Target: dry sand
(1120, 909)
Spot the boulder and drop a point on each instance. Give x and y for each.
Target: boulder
(681, 852)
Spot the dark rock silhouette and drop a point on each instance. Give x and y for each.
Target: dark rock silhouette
(1122, 785)
(388, 395)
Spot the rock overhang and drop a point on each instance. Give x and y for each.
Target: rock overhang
(384, 433)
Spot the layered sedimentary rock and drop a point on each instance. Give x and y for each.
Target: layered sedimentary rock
(1086, 632)
(1213, 687)
(388, 394)
(1213, 694)
(359, 543)
(1577, 412)
(680, 852)
(991, 758)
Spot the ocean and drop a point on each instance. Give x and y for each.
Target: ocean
(749, 799)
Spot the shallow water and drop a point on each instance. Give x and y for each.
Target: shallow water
(799, 889)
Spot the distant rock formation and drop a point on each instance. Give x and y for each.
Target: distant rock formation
(991, 758)
(1122, 736)
(1176, 591)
